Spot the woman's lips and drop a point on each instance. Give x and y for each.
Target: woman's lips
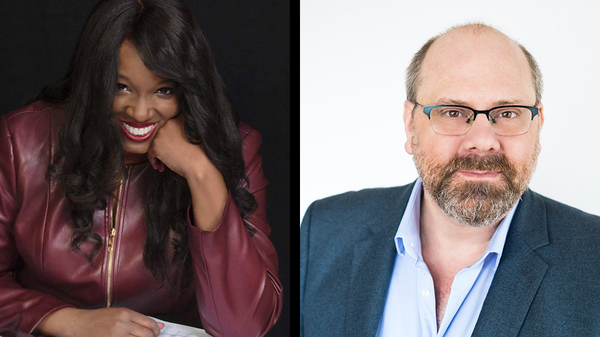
(139, 125)
(138, 132)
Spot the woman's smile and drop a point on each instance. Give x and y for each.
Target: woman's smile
(138, 132)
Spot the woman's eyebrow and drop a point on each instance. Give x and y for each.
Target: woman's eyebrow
(166, 80)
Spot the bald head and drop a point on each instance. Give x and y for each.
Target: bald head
(469, 51)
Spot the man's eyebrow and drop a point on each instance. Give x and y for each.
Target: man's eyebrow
(450, 101)
(509, 102)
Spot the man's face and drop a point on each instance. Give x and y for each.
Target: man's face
(474, 178)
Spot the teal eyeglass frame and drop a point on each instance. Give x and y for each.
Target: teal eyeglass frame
(427, 109)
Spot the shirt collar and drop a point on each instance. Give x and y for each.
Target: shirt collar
(498, 240)
(408, 239)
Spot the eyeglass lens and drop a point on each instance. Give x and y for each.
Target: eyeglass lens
(506, 121)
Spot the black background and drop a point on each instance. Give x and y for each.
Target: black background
(250, 43)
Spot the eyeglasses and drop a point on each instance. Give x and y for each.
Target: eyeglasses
(456, 120)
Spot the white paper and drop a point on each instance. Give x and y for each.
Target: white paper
(172, 329)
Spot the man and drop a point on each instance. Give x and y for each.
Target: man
(466, 249)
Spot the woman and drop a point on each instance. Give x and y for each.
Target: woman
(130, 189)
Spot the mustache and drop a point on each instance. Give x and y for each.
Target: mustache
(490, 162)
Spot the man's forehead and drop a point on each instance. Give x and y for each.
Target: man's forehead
(476, 33)
(461, 46)
(465, 65)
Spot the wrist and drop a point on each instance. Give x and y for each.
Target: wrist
(194, 176)
(202, 173)
(197, 165)
(209, 197)
(58, 323)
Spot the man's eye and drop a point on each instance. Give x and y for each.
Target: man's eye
(165, 91)
(508, 114)
(453, 113)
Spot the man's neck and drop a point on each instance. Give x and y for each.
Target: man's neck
(448, 247)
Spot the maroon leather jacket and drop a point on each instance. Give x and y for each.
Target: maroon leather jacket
(235, 291)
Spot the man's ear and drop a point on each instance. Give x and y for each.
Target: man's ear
(408, 108)
(540, 106)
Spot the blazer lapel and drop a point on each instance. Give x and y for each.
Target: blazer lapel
(371, 272)
(519, 273)
(372, 266)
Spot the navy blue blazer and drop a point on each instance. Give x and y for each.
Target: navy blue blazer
(547, 282)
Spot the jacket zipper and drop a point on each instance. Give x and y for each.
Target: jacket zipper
(111, 241)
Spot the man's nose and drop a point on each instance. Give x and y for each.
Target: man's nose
(481, 137)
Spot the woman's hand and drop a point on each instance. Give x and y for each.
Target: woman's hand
(207, 186)
(170, 147)
(72, 322)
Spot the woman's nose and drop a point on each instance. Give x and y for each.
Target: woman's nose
(140, 109)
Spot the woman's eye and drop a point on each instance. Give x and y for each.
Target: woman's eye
(165, 91)
(121, 87)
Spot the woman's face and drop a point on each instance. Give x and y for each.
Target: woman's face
(143, 103)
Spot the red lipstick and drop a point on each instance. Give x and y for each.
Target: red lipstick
(139, 125)
(138, 138)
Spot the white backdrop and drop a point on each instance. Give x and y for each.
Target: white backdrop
(352, 65)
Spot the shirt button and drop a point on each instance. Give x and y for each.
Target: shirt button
(412, 244)
(425, 292)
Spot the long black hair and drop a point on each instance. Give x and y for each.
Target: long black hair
(88, 165)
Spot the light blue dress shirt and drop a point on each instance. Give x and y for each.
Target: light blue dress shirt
(410, 308)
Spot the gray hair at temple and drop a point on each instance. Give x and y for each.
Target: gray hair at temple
(413, 78)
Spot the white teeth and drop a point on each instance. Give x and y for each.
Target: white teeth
(138, 131)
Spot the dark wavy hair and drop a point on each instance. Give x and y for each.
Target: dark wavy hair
(89, 162)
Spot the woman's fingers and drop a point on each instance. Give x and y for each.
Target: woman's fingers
(155, 162)
(146, 324)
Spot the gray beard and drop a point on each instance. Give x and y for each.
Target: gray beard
(475, 204)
